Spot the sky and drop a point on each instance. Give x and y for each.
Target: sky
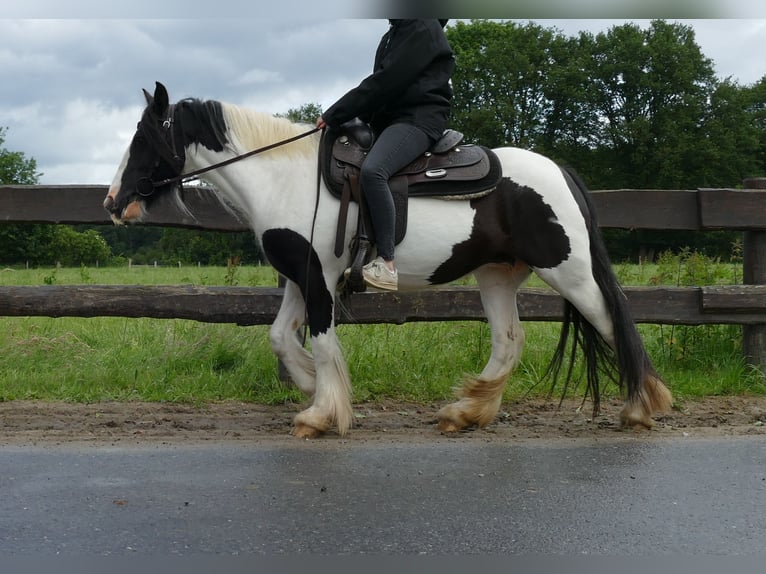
(70, 82)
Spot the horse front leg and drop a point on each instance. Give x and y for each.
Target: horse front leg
(332, 398)
(308, 289)
(285, 341)
(331, 404)
(323, 372)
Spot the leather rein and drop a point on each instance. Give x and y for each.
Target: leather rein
(169, 153)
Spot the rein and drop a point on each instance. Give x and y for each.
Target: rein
(170, 154)
(193, 174)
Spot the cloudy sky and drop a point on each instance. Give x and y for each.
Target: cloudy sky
(70, 85)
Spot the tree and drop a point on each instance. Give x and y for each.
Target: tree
(649, 90)
(18, 241)
(306, 114)
(42, 244)
(732, 147)
(756, 108)
(206, 247)
(627, 108)
(15, 168)
(504, 93)
(72, 248)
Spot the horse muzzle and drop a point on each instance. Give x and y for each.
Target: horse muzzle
(131, 213)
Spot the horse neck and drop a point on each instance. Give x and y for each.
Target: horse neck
(216, 131)
(268, 186)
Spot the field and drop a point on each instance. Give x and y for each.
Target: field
(184, 362)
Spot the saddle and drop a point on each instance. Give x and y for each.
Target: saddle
(450, 170)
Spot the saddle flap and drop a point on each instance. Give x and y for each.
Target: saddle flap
(345, 150)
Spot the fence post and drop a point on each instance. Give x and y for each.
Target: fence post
(754, 273)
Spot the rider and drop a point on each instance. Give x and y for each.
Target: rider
(406, 100)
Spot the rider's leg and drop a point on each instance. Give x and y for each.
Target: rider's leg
(396, 146)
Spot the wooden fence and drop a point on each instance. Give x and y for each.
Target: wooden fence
(700, 209)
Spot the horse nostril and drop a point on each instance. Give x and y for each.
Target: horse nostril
(109, 203)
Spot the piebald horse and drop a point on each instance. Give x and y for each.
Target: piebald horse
(538, 219)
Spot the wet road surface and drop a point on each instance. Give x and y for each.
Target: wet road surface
(637, 497)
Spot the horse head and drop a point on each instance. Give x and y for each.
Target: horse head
(152, 163)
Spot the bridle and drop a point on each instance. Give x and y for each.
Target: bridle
(169, 153)
(145, 186)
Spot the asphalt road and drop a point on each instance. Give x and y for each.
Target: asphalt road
(634, 497)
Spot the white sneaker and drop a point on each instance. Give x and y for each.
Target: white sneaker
(377, 274)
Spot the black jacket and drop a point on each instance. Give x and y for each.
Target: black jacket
(409, 83)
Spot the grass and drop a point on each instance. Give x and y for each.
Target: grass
(101, 359)
(142, 275)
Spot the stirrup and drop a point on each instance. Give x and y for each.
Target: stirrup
(355, 279)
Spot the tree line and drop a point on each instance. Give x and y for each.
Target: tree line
(626, 108)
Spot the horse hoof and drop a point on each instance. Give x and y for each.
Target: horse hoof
(451, 419)
(306, 432)
(447, 426)
(629, 418)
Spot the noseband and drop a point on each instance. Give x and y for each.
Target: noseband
(145, 186)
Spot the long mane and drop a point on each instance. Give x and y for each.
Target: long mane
(249, 129)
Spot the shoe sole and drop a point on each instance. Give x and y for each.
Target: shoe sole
(379, 285)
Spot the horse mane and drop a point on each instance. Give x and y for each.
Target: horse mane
(250, 129)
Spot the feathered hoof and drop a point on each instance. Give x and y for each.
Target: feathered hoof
(653, 398)
(306, 432)
(452, 419)
(308, 425)
(635, 418)
(448, 427)
(478, 405)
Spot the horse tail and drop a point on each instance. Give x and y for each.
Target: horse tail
(625, 361)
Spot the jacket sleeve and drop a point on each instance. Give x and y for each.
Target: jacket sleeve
(413, 51)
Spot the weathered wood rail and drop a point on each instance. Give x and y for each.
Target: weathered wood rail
(671, 209)
(700, 209)
(258, 305)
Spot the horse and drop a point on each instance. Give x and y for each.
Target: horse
(539, 219)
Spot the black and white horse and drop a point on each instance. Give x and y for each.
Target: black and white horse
(539, 218)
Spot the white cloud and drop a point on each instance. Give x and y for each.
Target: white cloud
(71, 89)
(85, 133)
(258, 76)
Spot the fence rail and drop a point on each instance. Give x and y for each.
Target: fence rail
(671, 209)
(737, 305)
(700, 209)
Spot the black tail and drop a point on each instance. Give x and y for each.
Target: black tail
(627, 363)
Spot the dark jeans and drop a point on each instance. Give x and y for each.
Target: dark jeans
(396, 146)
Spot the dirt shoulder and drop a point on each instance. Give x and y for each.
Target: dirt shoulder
(37, 422)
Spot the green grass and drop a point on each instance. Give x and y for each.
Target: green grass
(101, 359)
(141, 275)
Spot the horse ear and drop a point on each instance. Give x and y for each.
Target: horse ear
(161, 101)
(148, 96)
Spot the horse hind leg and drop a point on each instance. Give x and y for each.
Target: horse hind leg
(606, 311)
(480, 397)
(285, 344)
(653, 397)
